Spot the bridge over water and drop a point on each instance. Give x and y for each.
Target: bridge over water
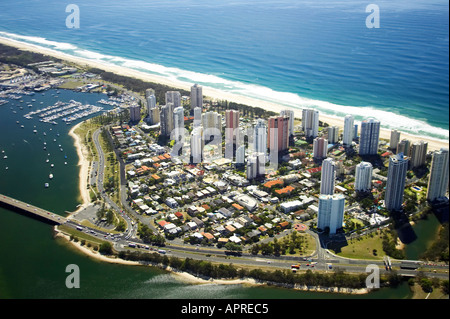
(34, 211)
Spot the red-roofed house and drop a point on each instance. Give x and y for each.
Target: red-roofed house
(163, 223)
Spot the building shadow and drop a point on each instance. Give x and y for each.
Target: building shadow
(441, 211)
(333, 242)
(405, 232)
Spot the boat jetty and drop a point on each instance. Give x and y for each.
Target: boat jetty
(68, 111)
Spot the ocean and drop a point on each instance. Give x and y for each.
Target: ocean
(296, 53)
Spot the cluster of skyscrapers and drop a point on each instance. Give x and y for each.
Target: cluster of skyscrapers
(274, 136)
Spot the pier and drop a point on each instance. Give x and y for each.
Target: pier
(34, 211)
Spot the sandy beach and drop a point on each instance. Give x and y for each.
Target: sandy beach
(84, 169)
(433, 144)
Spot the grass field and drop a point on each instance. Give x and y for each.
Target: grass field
(361, 248)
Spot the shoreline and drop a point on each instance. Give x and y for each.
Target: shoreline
(433, 144)
(191, 279)
(84, 165)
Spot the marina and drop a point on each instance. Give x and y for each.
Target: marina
(68, 111)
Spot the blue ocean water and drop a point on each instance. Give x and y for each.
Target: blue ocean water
(296, 53)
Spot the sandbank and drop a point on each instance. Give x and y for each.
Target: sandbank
(84, 169)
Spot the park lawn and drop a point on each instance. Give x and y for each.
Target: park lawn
(87, 223)
(420, 294)
(309, 245)
(362, 248)
(71, 84)
(80, 235)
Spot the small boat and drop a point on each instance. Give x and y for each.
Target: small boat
(47, 161)
(5, 157)
(53, 165)
(65, 163)
(34, 131)
(50, 176)
(22, 126)
(46, 185)
(6, 168)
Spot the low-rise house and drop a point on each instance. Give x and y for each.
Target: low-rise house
(199, 223)
(192, 225)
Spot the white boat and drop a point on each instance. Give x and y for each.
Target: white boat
(47, 161)
(5, 157)
(46, 185)
(53, 165)
(34, 131)
(50, 176)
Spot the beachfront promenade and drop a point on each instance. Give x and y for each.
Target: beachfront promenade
(33, 210)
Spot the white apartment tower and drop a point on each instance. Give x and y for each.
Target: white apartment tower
(396, 179)
(370, 134)
(197, 116)
(363, 177)
(197, 145)
(333, 134)
(173, 97)
(178, 123)
(395, 139)
(331, 212)
(255, 165)
(310, 122)
(260, 137)
(438, 180)
(349, 127)
(418, 154)
(196, 96)
(328, 177)
(166, 119)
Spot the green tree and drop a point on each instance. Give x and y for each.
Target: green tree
(106, 248)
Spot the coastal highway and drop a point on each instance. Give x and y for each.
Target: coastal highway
(100, 187)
